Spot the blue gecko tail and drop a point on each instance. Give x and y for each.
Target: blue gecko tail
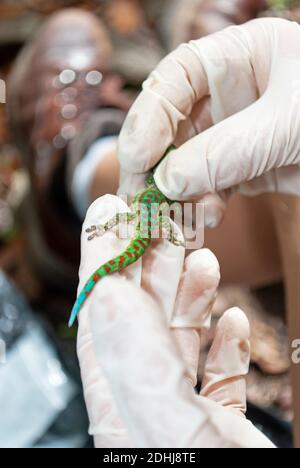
(73, 316)
(76, 308)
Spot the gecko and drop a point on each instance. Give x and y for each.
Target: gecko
(148, 217)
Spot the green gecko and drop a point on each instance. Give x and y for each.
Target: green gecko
(148, 217)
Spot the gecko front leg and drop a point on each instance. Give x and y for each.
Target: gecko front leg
(101, 229)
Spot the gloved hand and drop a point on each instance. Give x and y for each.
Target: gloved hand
(138, 347)
(230, 102)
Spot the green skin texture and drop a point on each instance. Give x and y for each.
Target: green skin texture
(145, 211)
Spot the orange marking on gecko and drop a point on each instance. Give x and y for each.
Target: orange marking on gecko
(96, 277)
(142, 244)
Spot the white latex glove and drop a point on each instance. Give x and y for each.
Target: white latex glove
(138, 347)
(231, 102)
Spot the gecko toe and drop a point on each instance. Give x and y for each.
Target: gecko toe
(91, 229)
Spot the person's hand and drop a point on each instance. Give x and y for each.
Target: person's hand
(138, 347)
(230, 102)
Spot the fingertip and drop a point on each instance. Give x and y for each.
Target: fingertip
(214, 209)
(228, 362)
(235, 324)
(204, 259)
(108, 244)
(169, 178)
(103, 208)
(197, 291)
(203, 266)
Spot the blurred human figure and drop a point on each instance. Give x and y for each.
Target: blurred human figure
(61, 83)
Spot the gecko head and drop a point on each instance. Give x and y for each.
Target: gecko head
(150, 180)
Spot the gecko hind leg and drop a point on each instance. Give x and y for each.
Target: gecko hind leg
(166, 225)
(101, 229)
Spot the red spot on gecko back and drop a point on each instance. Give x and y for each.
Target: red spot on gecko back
(96, 277)
(106, 268)
(142, 244)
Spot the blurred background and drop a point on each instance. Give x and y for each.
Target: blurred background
(41, 401)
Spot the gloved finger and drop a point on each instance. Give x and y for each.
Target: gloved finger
(197, 291)
(146, 375)
(96, 252)
(228, 362)
(190, 73)
(105, 423)
(223, 156)
(215, 208)
(168, 97)
(192, 313)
